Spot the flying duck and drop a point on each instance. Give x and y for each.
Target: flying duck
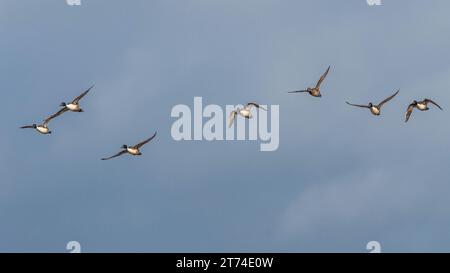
(314, 91)
(245, 112)
(42, 128)
(133, 150)
(421, 105)
(375, 109)
(74, 106)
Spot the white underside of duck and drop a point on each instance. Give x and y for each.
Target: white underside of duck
(133, 151)
(73, 107)
(42, 130)
(421, 106)
(246, 113)
(375, 110)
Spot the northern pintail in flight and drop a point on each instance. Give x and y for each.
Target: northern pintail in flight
(74, 106)
(315, 91)
(132, 150)
(245, 112)
(421, 105)
(375, 109)
(42, 128)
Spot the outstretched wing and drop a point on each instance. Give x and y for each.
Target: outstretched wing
(231, 118)
(409, 111)
(77, 99)
(137, 146)
(430, 101)
(119, 154)
(388, 99)
(256, 105)
(299, 91)
(27, 127)
(47, 120)
(323, 77)
(357, 105)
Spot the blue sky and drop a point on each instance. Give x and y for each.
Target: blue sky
(340, 178)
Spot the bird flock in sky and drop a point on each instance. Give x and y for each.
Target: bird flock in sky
(74, 106)
(246, 112)
(374, 109)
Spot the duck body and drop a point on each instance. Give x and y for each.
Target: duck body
(246, 113)
(74, 107)
(43, 130)
(375, 110)
(422, 106)
(133, 151)
(315, 92)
